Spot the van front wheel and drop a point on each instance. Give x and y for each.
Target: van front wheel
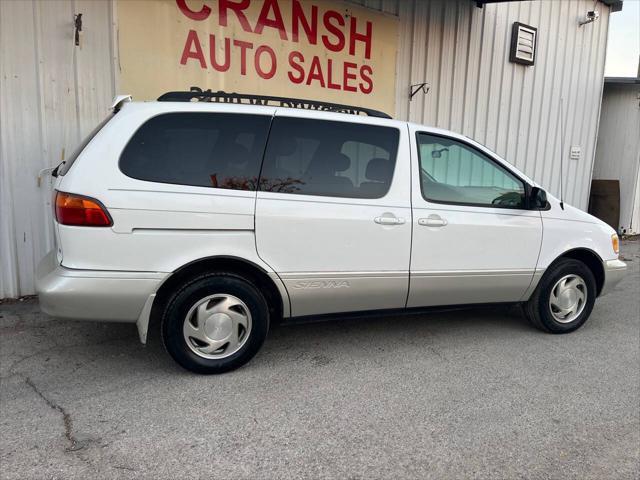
(564, 297)
(215, 323)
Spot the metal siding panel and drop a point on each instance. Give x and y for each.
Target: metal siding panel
(433, 63)
(374, 4)
(56, 80)
(540, 72)
(497, 69)
(418, 63)
(8, 255)
(594, 93)
(471, 86)
(391, 7)
(95, 75)
(459, 68)
(578, 172)
(511, 89)
(446, 59)
(40, 117)
(404, 59)
(546, 148)
(575, 103)
(484, 75)
(22, 151)
(558, 120)
(634, 226)
(586, 84)
(511, 108)
(618, 148)
(521, 118)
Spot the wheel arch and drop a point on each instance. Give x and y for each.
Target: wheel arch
(591, 259)
(276, 296)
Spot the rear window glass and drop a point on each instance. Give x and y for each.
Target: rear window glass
(218, 150)
(66, 165)
(328, 158)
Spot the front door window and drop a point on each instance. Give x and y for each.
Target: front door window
(452, 172)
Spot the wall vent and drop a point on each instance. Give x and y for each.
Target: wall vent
(523, 44)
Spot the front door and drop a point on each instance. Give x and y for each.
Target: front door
(473, 239)
(333, 213)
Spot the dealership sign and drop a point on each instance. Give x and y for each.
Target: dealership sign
(315, 49)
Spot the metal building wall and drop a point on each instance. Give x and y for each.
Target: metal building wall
(618, 152)
(463, 53)
(635, 211)
(52, 93)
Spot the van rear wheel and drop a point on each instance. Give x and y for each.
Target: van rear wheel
(564, 298)
(215, 323)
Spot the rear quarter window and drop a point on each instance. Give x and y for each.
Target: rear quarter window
(217, 150)
(68, 163)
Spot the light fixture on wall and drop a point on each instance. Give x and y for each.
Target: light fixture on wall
(592, 16)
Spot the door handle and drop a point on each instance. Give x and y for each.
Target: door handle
(432, 221)
(389, 220)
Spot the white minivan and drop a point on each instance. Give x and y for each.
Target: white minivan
(212, 219)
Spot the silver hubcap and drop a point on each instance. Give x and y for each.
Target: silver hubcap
(217, 326)
(568, 298)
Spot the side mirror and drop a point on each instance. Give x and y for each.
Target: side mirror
(438, 153)
(537, 198)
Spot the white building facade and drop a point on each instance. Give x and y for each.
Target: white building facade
(456, 56)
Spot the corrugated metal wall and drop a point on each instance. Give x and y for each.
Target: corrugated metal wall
(635, 212)
(52, 93)
(618, 152)
(463, 53)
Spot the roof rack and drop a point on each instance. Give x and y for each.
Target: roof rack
(196, 94)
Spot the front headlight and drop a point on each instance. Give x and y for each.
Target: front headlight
(615, 243)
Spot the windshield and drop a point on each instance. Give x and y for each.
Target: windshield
(66, 165)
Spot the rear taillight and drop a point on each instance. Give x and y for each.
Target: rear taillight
(82, 211)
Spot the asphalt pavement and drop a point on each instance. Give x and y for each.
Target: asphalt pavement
(467, 394)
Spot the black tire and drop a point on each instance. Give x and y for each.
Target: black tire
(537, 309)
(190, 294)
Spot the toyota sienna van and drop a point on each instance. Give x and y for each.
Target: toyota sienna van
(212, 219)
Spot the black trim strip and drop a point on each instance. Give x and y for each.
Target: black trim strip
(197, 94)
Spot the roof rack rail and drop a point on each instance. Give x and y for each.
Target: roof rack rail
(196, 94)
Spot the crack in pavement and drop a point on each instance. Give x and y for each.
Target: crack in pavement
(66, 417)
(11, 368)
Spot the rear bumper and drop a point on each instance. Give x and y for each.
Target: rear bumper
(614, 271)
(93, 295)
